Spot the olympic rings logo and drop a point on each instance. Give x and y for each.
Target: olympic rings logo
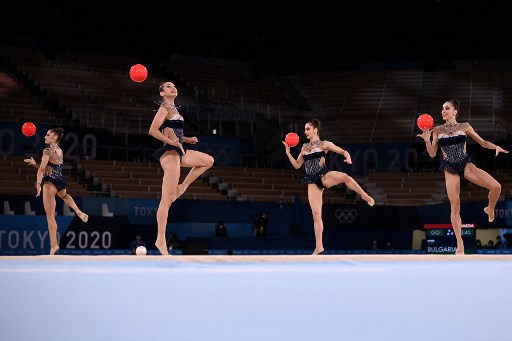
(345, 215)
(223, 154)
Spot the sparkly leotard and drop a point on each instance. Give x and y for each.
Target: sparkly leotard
(54, 173)
(452, 140)
(313, 152)
(176, 123)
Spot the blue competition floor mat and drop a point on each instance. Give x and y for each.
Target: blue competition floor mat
(331, 297)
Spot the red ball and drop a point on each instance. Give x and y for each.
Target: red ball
(291, 139)
(138, 73)
(425, 121)
(28, 129)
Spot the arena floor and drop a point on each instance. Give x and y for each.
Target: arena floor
(326, 297)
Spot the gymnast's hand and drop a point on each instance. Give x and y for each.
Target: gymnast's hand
(287, 147)
(192, 140)
(322, 161)
(425, 135)
(500, 150)
(176, 143)
(30, 162)
(180, 147)
(38, 189)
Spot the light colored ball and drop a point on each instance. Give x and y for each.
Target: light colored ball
(141, 251)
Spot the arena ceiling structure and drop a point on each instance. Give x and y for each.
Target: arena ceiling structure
(275, 34)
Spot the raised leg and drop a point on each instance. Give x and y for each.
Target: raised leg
(68, 200)
(200, 163)
(484, 179)
(334, 178)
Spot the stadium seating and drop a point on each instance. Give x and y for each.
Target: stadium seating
(361, 106)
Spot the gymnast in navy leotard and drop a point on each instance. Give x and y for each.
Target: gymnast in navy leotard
(318, 176)
(167, 126)
(51, 181)
(452, 140)
(176, 123)
(314, 163)
(53, 174)
(456, 163)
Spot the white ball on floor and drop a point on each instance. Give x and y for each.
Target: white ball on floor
(141, 251)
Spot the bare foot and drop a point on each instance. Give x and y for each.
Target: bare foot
(162, 247)
(490, 214)
(54, 249)
(460, 251)
(318, 251)
(179, 191)
(369, 200)
(83, 216)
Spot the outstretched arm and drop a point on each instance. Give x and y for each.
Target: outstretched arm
(486, 144)
(296, 163)
(334, 148)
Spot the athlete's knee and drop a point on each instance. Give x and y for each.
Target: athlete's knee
(209, 161)
(496, 187)
(168, 177)
(166, 202)
(349, 181)
(348, 178)
(455, 208)
(317, 214)
(50, 217)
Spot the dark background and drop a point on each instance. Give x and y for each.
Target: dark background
(275, 35)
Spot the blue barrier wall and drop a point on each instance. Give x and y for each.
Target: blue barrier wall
(346, 226)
